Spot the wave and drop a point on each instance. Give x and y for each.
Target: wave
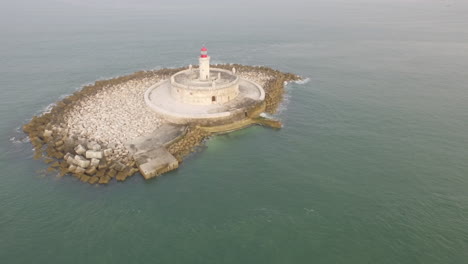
(19, 136)
(303, 81)
(19, 140)
(48, 108)
(287, 95)
(266, 115)
(283, 106)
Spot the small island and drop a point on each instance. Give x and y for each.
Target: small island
(149, 121)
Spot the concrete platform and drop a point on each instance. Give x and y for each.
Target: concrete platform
(158, 98)
(156, 162)
(150, 151)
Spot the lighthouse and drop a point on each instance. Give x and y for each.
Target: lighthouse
(204, 61)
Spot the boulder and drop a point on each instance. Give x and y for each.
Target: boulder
(104, 180)
(100, 173)
(72, 168)
(93, 154)
(58, 155)
(108, 152)
(85, 178)
(94, 162)
(79, 170)
(118, 166)
(67, 156)
(93, 180)
(63, 164)
(47, 133)
(111, 173)
(48, 160)
(102, 164)
(121, 176)
(70, 160)
(94, 146)
(81, 162)
(80, 150)
(91, 171)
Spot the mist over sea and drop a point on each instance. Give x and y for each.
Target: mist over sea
(370, 167)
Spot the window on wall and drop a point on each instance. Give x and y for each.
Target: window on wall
(213, 98)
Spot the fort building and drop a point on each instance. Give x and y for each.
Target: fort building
(204, 95)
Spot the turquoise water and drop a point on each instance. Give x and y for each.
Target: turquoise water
(370, 167)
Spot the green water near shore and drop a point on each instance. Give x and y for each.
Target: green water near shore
(371, 165)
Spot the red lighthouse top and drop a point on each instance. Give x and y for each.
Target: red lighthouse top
(204, 52)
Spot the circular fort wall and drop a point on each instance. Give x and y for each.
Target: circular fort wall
(204, 93)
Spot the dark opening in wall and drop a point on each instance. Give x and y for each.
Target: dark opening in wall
(213, 98)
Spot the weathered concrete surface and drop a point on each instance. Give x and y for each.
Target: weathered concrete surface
(162, 136)
(150, 153)
(156, 162)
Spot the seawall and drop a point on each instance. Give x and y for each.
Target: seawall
(87, 133)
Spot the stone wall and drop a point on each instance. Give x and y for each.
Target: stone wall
(218, 94)
(215, 119)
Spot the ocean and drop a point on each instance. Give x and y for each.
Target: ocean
(371, 165)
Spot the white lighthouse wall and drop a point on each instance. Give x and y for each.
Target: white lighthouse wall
(205, 96)
(204, 68)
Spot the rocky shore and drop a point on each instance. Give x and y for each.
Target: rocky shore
(86, 133)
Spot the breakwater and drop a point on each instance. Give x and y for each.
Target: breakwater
(87, 133)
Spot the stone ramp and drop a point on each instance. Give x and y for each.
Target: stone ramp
(150, 151)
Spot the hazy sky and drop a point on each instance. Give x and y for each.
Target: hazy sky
(267, 4)
(29, 15)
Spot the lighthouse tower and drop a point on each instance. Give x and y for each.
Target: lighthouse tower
(204, 65)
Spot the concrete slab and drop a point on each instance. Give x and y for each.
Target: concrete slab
(162, 136)
(150, 153)
(155, 162)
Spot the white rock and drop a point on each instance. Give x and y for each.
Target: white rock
(83, 163)
(47, 133)
(94, 162)
(108, 152)
(93, 154)
(80, 150)
(79, 170)
(72, 168)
